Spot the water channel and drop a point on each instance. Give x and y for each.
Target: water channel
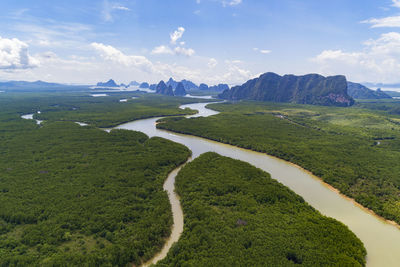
(380, 237)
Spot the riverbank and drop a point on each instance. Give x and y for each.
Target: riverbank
(380, 238)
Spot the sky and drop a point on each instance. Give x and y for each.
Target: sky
(210, 41)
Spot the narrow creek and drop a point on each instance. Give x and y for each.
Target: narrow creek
(380, 237)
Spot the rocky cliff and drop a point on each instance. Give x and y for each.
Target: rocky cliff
(307, 89)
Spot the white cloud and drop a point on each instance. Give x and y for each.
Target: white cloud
(396, 3)
(234, 61)
(178, 49)
(184, 51)
(231, 3)
(212, 62)
(141, 63)
(110, 53)
(162, 49)
(235, 2)
(262, 51)
(391, 21)
(108, 8)
(378, 61)
(176, 35)
(236, 74)
(118, 7)
(230, 72)
(14, 55)
(54, 34)
(113, 63)
(383, 22)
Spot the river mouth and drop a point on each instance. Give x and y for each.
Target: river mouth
(380, 237)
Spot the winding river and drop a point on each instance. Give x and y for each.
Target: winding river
(380, 238)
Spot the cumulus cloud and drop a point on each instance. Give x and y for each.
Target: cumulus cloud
(265, 51)
(110, 53)
(141, 63)
(262, 51)
(176, 35)
(235, 73)
(184, 51)
(14, 55)
(231, 3)
(178, 49)
(393, 21)
(119, 7)
(212, 62)
(162, 49)
(396, 3)
(230, 72)
(235, 2)
(379, 60)
(108, 8)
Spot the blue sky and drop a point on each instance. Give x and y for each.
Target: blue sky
(208, 41)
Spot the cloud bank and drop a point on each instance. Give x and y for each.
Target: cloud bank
(379, 60)
(14, 55)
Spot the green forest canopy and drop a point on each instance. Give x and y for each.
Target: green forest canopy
(357, 150)
(236, 215)
(72, 195)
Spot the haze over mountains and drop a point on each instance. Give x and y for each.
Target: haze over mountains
(187, 85)
(109, 83)
(39, 86)
(306, 89)
(360, 91)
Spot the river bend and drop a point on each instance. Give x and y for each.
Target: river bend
(380, 238)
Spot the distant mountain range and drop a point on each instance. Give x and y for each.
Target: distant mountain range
(180, 90)
(216, 88)
(381, 85)
(359, 91)
(25, 84)
(171, 82)
(219, 88)
(307, 89)
(144, 85)
(392, 93)
(109, 83)
(39, 86)
(133, 83)
(165, 89)
(189, 85)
